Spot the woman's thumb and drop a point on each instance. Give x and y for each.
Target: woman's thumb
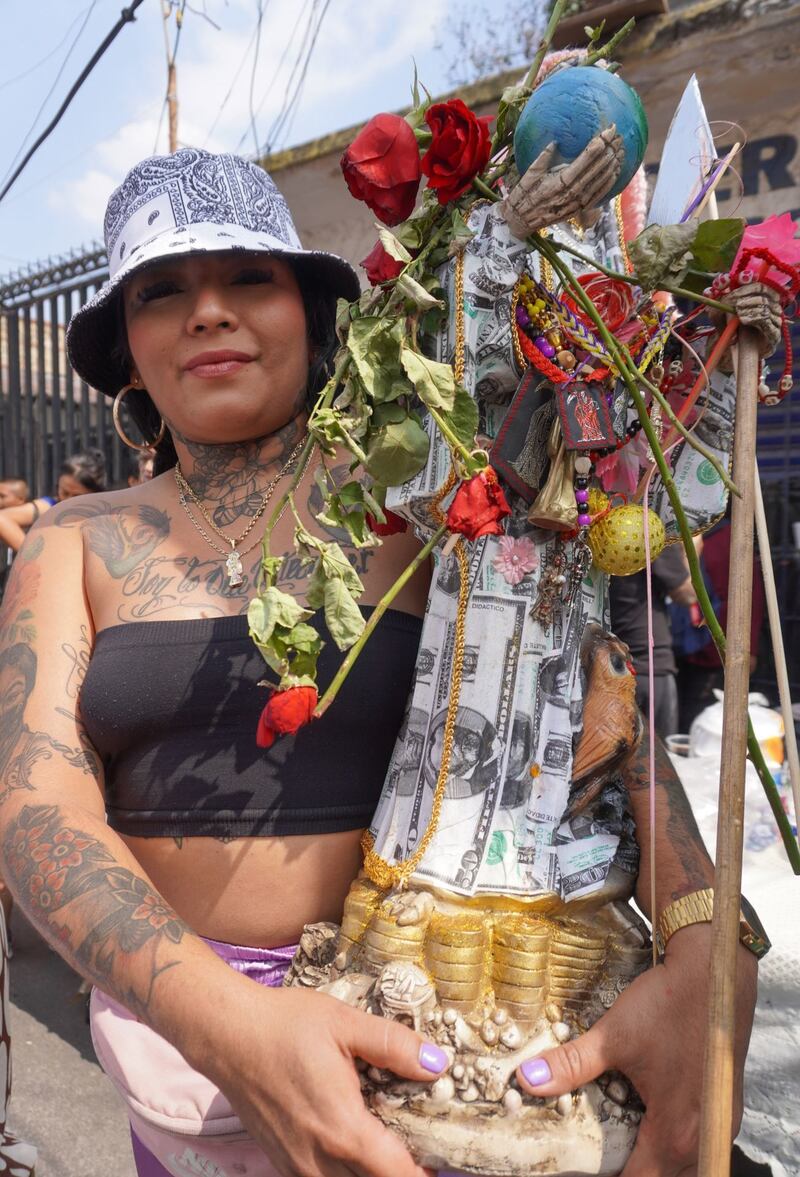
(395, 1047)
(555, 1072)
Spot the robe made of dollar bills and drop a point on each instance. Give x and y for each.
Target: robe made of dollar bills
(500, 831)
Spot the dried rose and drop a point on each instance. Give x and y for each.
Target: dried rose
(459, 149)
(393, 525)
(478, 506)
(284, 713)
(380, 266)
(381, 167)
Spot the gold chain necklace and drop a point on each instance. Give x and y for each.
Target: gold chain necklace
(233, 561)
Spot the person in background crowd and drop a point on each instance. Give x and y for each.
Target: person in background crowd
(670, 576)
(80, 474)
(14, 492)
(699, 666)
(141, 467)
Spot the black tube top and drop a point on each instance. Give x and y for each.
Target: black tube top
(172, 709)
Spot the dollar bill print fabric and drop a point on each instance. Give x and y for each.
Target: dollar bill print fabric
(500, 830)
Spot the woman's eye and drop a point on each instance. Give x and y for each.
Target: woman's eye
(156, 290)
(254, 276)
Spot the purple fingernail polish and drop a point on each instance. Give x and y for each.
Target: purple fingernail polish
(432, 1058)
(536, 1072)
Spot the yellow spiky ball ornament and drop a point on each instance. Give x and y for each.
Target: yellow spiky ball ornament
(616, 540)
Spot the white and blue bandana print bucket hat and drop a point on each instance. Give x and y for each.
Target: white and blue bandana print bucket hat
(189, 202)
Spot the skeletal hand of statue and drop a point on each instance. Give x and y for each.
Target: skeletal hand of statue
(546, 194)
(759, 307)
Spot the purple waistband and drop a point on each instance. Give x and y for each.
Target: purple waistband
(267, 966)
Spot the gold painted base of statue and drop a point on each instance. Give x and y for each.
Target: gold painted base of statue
(492, 987)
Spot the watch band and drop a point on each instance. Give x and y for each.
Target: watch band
(698, 908)
(695, 908)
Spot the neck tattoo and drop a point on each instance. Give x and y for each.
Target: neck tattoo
(190, 499)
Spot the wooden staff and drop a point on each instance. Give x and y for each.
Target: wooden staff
(717, 1104)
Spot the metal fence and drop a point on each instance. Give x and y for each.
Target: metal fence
(46, 411)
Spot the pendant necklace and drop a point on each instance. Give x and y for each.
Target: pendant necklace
(233, 558)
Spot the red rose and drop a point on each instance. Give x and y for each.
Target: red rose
(478, 506)
(381, 266)
(393, 525)
(285, 712)
(459, 149)
(381, 167)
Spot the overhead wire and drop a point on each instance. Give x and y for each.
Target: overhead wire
(231, 88)
(289, 109)
(277, 71)
(126, 16)
(87, 14)
(43, 60)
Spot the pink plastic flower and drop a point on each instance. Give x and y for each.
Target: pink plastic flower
(620, 471)
(516, 558)
(778, 235)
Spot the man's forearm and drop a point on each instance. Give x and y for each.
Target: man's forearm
(682, 863)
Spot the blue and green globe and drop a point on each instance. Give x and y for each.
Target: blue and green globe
(573, 105)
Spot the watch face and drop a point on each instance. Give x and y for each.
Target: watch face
(752, 933)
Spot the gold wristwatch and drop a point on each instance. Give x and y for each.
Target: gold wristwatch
(698, 908)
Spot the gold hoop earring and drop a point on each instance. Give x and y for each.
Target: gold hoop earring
(148, 445)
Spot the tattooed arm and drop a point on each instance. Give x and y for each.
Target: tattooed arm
(682, 863)
(75, 879)
(654, 1032)
(284, 1058)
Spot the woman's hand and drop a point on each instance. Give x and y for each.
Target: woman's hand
(654, 1033)
(291, 1076)
(546, 195)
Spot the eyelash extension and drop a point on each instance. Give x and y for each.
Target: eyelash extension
(157, 290)
(255, 275)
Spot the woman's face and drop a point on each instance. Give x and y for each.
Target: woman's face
(70, 488)
(219, 341)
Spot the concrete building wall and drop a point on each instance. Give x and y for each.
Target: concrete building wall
(743, 57)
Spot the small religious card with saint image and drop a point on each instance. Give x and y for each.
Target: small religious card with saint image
(519, 452)
(586, 422)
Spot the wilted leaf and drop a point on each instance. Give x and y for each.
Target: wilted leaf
(416, 293)
(397, 452)
(375, 347)
(393, 247)
(342, 615)
(716, 244)
(460, 234)
(463, 418)
(662, 253)
(434, 382)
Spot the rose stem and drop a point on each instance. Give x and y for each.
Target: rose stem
(611, 43)
(754, 749)
(377, 613)
(544, 44)
(675, 421)
(631, 279)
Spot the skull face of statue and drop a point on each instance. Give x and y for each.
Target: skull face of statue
(404, 992)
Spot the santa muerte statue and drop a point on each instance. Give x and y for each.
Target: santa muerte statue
(520, 388)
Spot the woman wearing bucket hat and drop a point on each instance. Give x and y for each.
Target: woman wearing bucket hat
(170, 859)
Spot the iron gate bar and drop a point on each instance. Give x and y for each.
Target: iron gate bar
(40, 432)
(69, 386)
(55, 396)
(27, 343)
(14, 399)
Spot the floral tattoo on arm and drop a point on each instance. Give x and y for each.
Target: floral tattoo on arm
(114, 912)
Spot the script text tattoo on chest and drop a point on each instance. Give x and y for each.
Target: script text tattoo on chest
(127, 539)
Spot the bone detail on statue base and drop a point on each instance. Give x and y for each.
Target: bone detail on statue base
(492, 988)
